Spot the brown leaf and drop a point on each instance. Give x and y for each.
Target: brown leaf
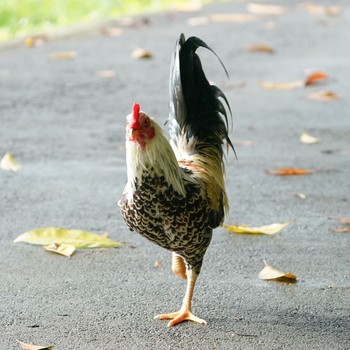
(270, 273)
(260, 48)
(112, 31)
(264, 9)
(233, 17)
(323, 95)
(139, 54)
(315, 78)
(344, 220)
(63, 55)
(26, 346)
(290, 171)
(107, 73)
(282, 85)
(341, 229)
(331, 10)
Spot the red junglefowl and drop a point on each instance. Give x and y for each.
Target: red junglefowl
(175, 195)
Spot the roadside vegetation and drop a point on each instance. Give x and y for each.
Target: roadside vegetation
(20, 17)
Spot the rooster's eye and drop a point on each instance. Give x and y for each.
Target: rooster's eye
(145, 123)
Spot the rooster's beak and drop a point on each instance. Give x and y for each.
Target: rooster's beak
(133, 134)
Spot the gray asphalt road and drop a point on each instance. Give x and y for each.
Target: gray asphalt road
(65, 125)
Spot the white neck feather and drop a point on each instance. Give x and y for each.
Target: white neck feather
(158, 155)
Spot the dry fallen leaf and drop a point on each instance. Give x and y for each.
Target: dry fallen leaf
(9, 163)
(260, 48)
(107, 73)
(331, 10)
(157, 264)
(189, 6)
(63, 55)
(289, 171)
(77, 238)
(308, 139)
(323, 95)
(112, 31)
(315, 77)
(141, 54)
(299, 195)
(282, 85)
(222, 18)
(341, 229)
(264, 9)
(265, 230)
(270, 273)
(233, 17)
(345, 221)
(60, 248)
(26, 346)
(36, 41)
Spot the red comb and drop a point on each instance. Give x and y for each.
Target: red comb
(135, 114)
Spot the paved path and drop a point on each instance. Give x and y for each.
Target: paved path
(66, 127)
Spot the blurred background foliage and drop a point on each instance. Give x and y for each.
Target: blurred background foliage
(20, 17)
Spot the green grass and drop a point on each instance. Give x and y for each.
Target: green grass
(20, 17)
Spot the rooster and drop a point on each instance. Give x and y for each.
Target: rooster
(175, 194)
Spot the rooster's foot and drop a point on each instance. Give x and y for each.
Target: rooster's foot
(180, 316)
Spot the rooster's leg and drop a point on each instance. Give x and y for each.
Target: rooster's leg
(185, 313)
(178, 266)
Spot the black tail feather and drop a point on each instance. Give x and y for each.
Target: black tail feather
(196, 107)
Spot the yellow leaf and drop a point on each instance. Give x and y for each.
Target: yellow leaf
(77, 238)
(260, 48)
(63, 55)
(290, 85)
(139, 54)
(265, 230)
(270, 273)
(308, 139)
(264, 9)
(61, 248)
(9, 163)
(26, 346)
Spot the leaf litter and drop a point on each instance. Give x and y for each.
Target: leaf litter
(26, 346)
(9, 163)
(308, 139)
(289, 171)
(260, 230)
(344, 221)
(311, 79)
(64, 242)
(271, 273)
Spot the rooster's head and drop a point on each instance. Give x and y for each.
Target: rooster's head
(139, 127)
